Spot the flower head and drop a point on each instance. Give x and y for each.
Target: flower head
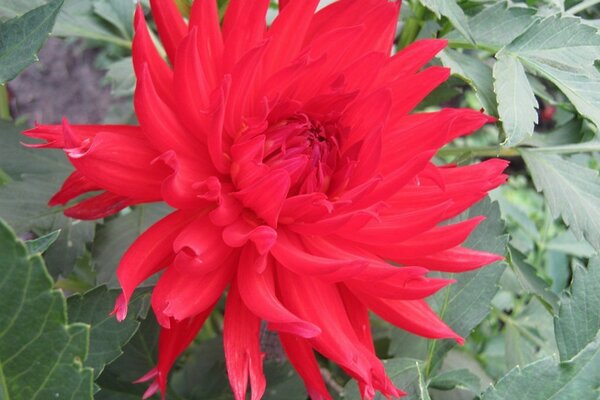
(296, 172)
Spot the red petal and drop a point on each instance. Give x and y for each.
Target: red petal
(120, 164)
(171, 25)
(301, 356)
(290, 252)
(100, 206)
(160, 125)
(414, 316)
(148, 255)
(258, 292)
(205, 17)
(266, 196)
(181, 293)
(242, 348)
(244, 27)
(144, 53)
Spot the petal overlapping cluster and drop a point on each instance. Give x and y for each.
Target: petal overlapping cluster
(297, 172)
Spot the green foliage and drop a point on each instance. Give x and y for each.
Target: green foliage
(517, 105)
(41, 356)
(22, 37)
(576, 379)
(531, 64)
(578, 320)
(24, 201)
(107, 336)
(572, 191)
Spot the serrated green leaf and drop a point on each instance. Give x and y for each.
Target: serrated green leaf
(567, 243)
(531, 282)
(564, 51)
(40, 355)
(578, 320)
(498, 25)
(451, 10)
(139, 357)
(517, 104)
(21, 38)
(116, 235)
(42, 243)
(107, 335)
(465, 304)
(456, 379)
(547, 379)
(476, 73)
(571, 191)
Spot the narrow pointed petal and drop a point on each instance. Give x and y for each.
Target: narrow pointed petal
(144, 52)
(170, 23)
(99, 206)
(414, 316)
(302, 357)
(244, 26)
(148, 254)
(258, 292)
(205, 17)
(120, 164)
(242, 348)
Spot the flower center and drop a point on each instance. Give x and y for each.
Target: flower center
(307, 149)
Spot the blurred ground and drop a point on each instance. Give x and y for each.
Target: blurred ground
(64, 83)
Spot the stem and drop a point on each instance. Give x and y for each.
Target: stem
(461, 44)
(491, 151)
(4, 104)
(582, 6)
(480, 151)
(528, 335)
(413, 25)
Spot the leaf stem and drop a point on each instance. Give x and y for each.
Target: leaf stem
(582, 6)
(493, 151)
(462, 44)
(488, 151)
(4, 104)
(413, 25)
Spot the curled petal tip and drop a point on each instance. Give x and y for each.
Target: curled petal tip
(120, 309)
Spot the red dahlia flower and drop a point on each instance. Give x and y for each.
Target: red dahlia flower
(296, 172)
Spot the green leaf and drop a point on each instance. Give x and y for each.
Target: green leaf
(451, 10)
(107, 336)
(117, 13)
(116, 235)
(466, 303)
(139, 357)
(22, 37)
(516, 102)
(456, 379)
(42, 244)
(40, 355)
(476, 73)
(578, 320)
(407, 374)
(563, 50)
(546, 379)
(497, 25)
(121, 77)
(15, 8)
(78, 18)
(37, 174)
(531, 282)
(571, 191)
